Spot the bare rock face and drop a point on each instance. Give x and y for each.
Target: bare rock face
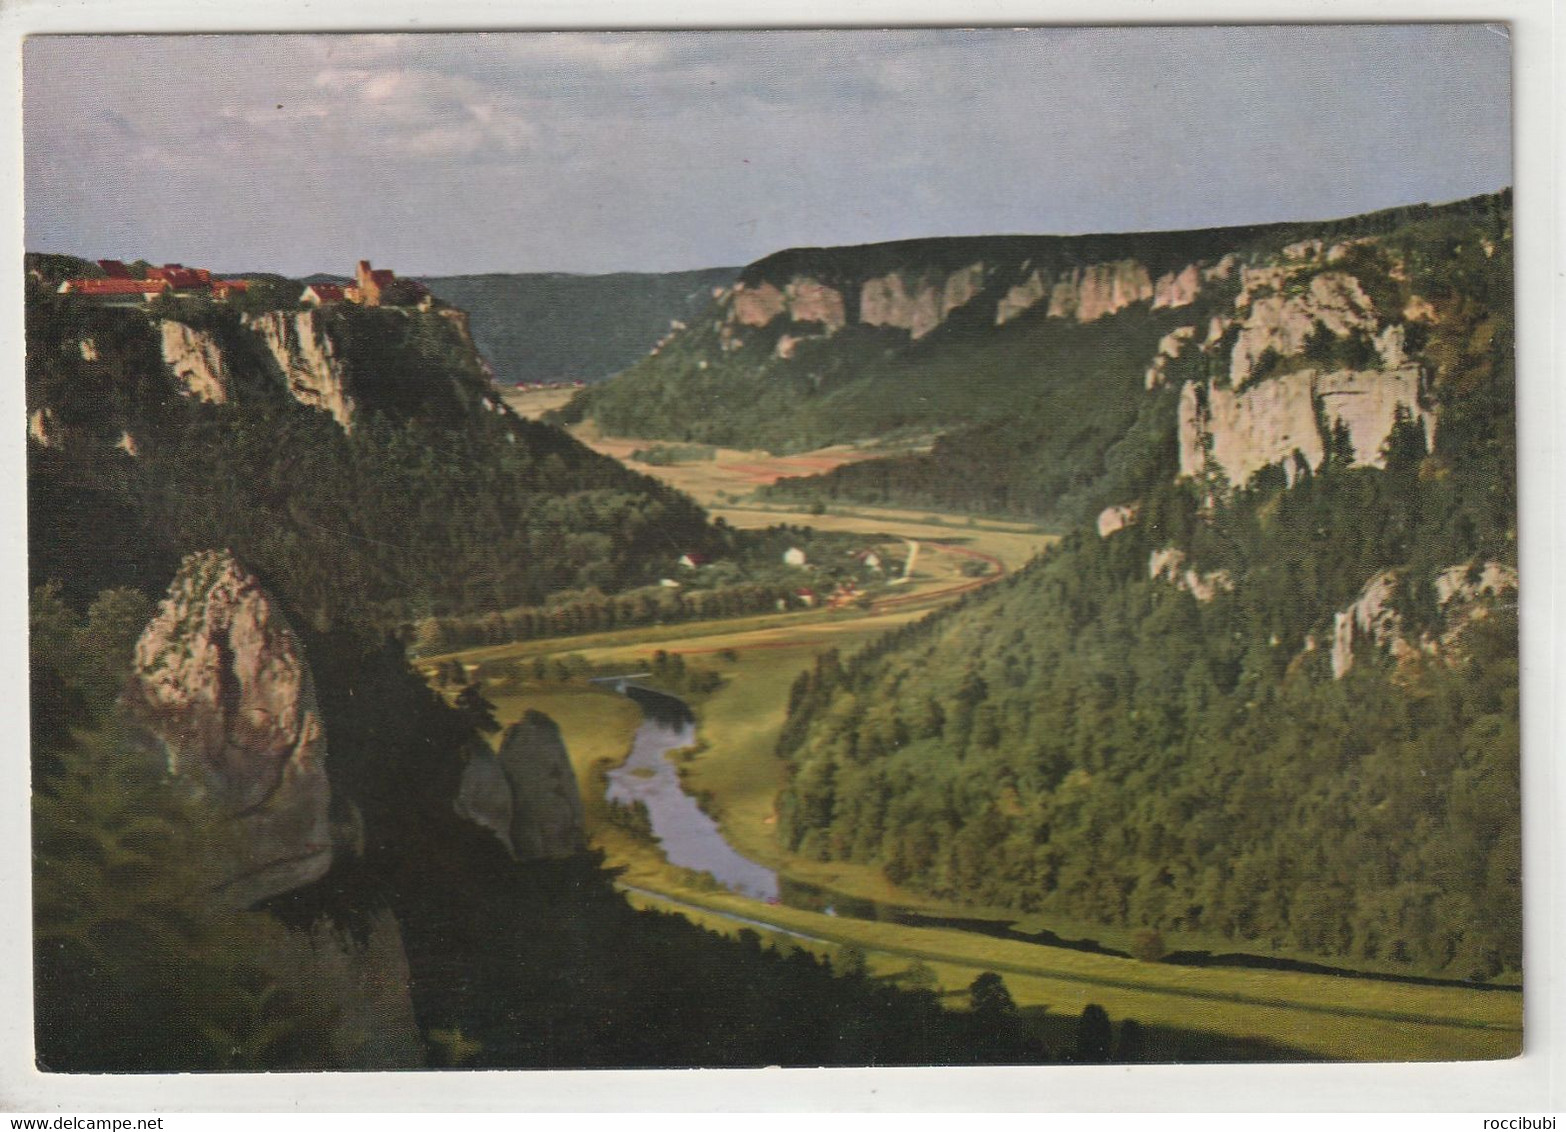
(813, 301)
(44, 427)
(1117, 518)
(1090, 293)
(1281, 322)
(1462, 592)
(484, 794)
(305, 354)
(888, 301)
(1169, 564)
(1370, 617)
(962, 287)
(1240, 426)
(1177, 289)
(757, 305)
(1241, 433)
(546, 803)
(1169, 347)
(195, 360)
(1020, 298)
(222, 680)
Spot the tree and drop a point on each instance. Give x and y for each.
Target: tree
(1132, 1046)
(1094, 1035)
(989, 998)
(1148, 946)
(479, 711)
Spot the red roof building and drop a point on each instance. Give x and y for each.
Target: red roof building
(319, 294)
(145, 287)
(114, 269)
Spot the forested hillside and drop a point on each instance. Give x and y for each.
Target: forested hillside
(1026, 359)
(549, 326)
(1273, 699)
(413, 493)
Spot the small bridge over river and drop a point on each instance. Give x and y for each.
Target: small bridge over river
(619, 683)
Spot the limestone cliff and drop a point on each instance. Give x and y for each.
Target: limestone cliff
(918, 305)
(1280, 404)
(221, 679)
(311, 369)
(546, 803)
(1101, 289)
(195, 360)
(1463, 594)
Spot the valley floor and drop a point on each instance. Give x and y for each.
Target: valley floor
(1192, 1012)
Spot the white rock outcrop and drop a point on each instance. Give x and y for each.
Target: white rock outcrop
(890, 300)
(1462, 592)
(1090, 293)
(44, 428)
(1238, 434)
(221, 679)
(1177, 289)
(311, 369)
(1021, 297)
(1169, 564)
(1116, 518)
(809, 300)
(1281, 322)
(195, 360)
(1169, 347)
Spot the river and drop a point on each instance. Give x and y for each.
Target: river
(689, 837)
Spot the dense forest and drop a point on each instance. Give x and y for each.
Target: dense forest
(1090, 741)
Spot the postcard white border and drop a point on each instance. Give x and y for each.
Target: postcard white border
(1531, 1083)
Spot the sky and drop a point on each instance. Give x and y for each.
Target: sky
(661, 151)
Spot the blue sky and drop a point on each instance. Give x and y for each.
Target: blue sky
(592, 152)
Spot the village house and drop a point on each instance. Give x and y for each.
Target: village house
(119, 281)
(323, 294)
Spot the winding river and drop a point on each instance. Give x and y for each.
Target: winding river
(689, 838)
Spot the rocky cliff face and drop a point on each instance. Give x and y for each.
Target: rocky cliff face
(311, 369)
(1462, 593)
(484, 794)
(1288, 312)
(545, 803)
(222, 680)
(195, 360)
